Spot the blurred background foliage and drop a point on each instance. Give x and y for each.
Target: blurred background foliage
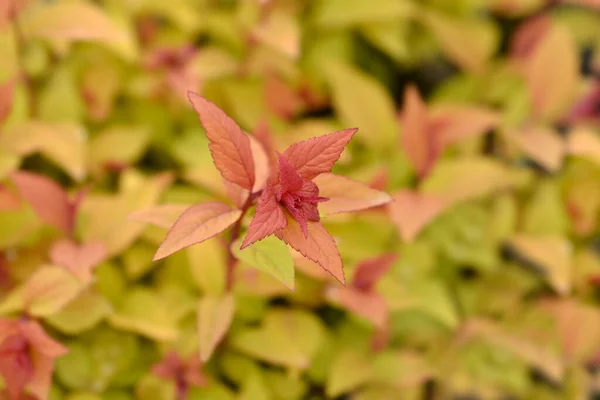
(481, 117)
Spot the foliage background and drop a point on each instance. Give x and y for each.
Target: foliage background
(494, 292)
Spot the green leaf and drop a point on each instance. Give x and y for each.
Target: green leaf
(330, 14)
(144, 312)
(290, 338)
(361, 101)
(83, 313)
(119, 145)
(269, 255)
(351, 369)
(254, 388)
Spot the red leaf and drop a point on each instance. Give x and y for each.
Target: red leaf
(229, 146)
(412, 211)
(368, 272)
(15, 366)
(269, 218)
(417, 139)
(48, 199)
(78, 259)
(197, 224)
(280, 98)
(317, 155)
(319, 246)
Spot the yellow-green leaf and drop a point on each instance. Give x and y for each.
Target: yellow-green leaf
(214, 318)
(270, 255)
(83, 313)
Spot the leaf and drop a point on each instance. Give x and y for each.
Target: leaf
(229, 146)
(401, 369)
(348, 13)
(269, 255)
(417, 138)
(290, 338)
(347, 195)
(214, 318)
(63, 143)
(318, 155)
(83, 313)
(79, 259)
(552, 73)
(545, 361)
(543, 145)
(163, 216)
(281, 31)
(197, 224)
(9, 201)
(455, 123)
(261, 164)
(254, 388)
(468, 42)
(319, 246)
(461, 179)
(65, 22)
(206, 266)
(142, 311)
(584, 143)
(360, 100)
(551, 254)
(350, 369)
(48, 199)
(105, 215)
(369, 272)
(118, 146)
(7, 90)
(411, 211)
(269, 218)
(48, 290)
(8, 163)
(367, 304)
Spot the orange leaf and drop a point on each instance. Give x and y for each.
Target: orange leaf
(412, 211)
(543, 145)
(369, 272)
(319, 246)
(7, 90)
(318, 155)
(552, 73)
(78, 259)
(48, 199)
(163, 216)
(346, 195)
(197, 224)
(584, 143)
(8, 200)
(229, 146)
(417, 140)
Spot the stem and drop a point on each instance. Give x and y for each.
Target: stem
(235, 234)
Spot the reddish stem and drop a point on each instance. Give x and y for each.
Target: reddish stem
(235, 234)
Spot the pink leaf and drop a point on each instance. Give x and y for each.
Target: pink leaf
(78, 259)
(346, 195)
(261, 164)
(412, 211)
(229, 146)
(48, 199)
(264, 136)
(197, 224)
(418, 142)
(319, 246)
(317, 155)
(457, 123)
(269, 218)
(369, 305)
(368, 272)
